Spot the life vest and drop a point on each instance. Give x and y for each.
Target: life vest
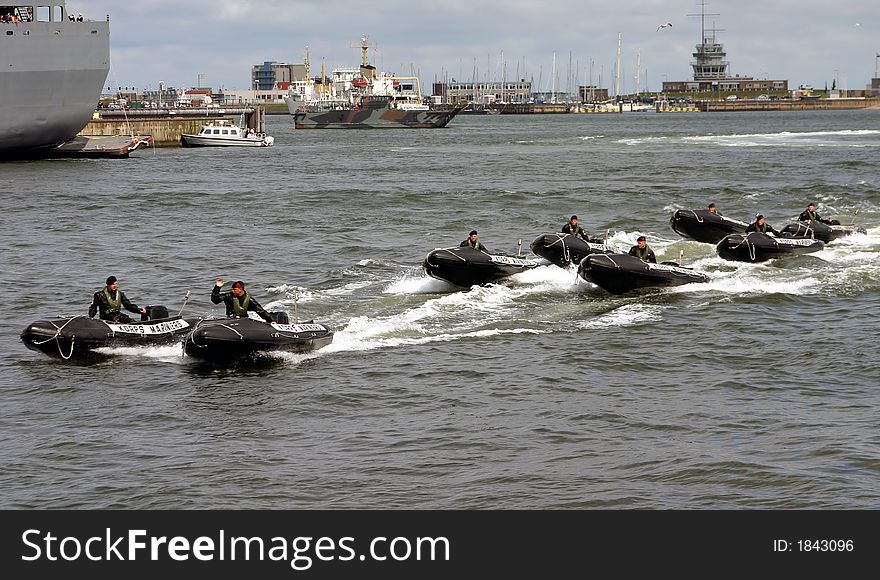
(576, 230)
(642, 253)
(114, 304)
(240, 308)
(811, 215)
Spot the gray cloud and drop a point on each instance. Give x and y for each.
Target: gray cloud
(803, 41)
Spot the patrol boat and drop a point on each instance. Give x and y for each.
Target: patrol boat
(564, 249)
(704, 226)
(465, 266)
(222, 133)
(758, 247)
(622, 273)
(820, 231)
(77, 337)
(228, 339)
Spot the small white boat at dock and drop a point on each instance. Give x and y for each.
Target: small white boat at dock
(223, 133)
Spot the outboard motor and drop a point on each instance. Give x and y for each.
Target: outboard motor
(799, 230)
(155, 312)
(280, 317)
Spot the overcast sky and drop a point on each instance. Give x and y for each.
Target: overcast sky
(803, 41)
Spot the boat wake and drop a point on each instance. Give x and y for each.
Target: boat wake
(632, 314)
(845, 138)
(388, 306)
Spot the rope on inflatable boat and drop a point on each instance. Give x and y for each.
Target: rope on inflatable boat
(189, 336)
(566, 252)
(749, 245)
(54, 337)
(448, 251)
(240, 335)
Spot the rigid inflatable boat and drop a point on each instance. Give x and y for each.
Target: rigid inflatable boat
(77, 336)
(758, 247)
(704, 226)
(819, 230)
(621, 273)
(226, 339)
(465, 266)
(565, 249)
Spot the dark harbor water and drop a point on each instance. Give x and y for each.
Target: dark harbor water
(758, 389)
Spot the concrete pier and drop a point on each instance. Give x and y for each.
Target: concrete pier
(164, 126)
(100, 147)
(789, 105)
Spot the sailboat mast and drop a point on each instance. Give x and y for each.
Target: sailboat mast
(638, 69)
(617, 69)
(592, 90)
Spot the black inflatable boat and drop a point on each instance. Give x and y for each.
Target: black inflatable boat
(565, 249)
(704, 226)
(621, 273)
(227, 339)
(758, 247)
(466, 266)
(819, 230)
(78, 336)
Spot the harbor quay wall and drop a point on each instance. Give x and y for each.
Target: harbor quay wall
(786, 105)
(165, 132)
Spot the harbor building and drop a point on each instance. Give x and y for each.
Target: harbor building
(271, 74)
(592, 94)
(485, 93)
(711, 73)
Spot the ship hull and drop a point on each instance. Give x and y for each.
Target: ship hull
(50, 83)
(385, 118)
(198, 141)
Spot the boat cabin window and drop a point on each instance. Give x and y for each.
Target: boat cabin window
(226, 131)
(216, 131)
(49, 13)
(15, 14)
(234, 132)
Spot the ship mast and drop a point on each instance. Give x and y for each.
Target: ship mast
(308, 70)
(366, 69)
(364, 47)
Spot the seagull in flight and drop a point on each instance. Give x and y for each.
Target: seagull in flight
(669, 24)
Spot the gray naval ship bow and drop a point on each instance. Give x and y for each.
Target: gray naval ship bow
(53, 69)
